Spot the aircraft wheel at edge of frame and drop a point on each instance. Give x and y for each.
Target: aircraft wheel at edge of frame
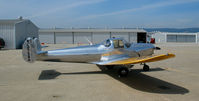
(123, 72)
(146, 67)
(110, 67)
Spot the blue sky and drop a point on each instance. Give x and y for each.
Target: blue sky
(104, 13)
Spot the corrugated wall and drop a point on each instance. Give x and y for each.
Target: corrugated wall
(46, 37)
(181, 38)
(7, 33)
(68, 37)
(23, 30)
(99, 37)
(124, 35)
(31, 29)
(159, 37)
(64, 38)
(133, 37)
(162, 37)
(20, 34)
(82, 38)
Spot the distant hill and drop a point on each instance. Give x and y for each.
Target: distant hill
(190, 30)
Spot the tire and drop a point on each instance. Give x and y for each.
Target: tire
(109, 67)
(102, 68)
(123, 72)
(2, 43)
(146, 68)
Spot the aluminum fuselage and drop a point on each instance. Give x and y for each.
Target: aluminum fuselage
(96, 53)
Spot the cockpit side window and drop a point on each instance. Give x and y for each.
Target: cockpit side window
(121, 44)
(118, 44)
(107, 43)
(115, 42)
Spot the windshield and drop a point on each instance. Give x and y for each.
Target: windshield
(118, 44)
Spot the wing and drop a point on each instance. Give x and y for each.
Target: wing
(139, 60)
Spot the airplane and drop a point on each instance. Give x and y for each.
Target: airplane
(113, 52)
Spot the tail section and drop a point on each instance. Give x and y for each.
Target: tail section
(31, 47)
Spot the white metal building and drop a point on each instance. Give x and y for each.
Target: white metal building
(15, 31)
(74, 36)
(164, 37)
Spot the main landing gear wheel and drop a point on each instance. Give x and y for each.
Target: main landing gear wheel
(146, 67)
(109, 67)
(123, 72)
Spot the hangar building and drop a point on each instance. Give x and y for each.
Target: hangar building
(168, 37)
(15, 31)
(75, 36)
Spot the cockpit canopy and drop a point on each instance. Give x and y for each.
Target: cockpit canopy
(117, 43)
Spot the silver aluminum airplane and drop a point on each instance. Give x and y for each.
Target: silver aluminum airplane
(113, 52)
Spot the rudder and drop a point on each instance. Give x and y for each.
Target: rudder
(31, 47)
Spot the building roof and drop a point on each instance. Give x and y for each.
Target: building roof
(91, 30)
(11, 21)
(14, 21)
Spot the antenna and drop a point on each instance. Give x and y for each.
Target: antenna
(90, 43)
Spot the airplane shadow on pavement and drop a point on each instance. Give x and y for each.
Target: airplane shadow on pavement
(136, 80)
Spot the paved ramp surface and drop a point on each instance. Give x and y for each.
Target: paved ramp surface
(176, 79)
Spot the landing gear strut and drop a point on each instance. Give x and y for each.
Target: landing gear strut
(146, 67)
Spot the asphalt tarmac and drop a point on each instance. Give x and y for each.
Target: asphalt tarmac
(175, 79)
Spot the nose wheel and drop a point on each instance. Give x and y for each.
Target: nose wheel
(146, 67)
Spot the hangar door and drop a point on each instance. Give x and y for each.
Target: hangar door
(181, 38)
(141, 37)
(46, 37)
(64, 38)
(82, 38)
(124, 35)
(99, 37)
